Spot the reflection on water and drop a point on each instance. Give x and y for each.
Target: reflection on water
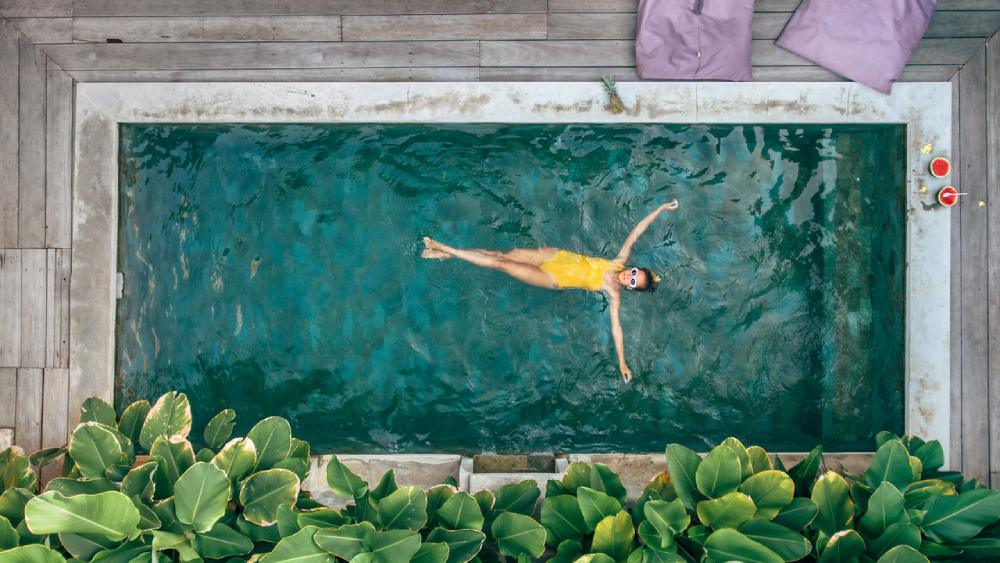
(276, 270)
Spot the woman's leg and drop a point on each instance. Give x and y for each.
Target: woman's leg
(527, 273)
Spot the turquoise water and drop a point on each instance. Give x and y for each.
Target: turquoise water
(276, 270)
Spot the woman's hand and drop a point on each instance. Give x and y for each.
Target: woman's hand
(669, 206)
(626, 372)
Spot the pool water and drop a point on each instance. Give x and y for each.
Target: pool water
(276, 269)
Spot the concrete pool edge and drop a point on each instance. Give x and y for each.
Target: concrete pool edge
(923, 107)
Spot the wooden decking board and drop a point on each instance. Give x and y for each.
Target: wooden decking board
(31, 148)
(45, 30)
(33, 278)
(8, 397)
(386, 74)
(912, 73)
(57, 308)
(975, 337)
(58, 159)
(955, 361)
(301, 7)
(601, 6)
(55, 407)
(35, 8)
(9, 100)
(10, 304)
(28, 419)
(445, 27)
(993, 249)
(203, 29)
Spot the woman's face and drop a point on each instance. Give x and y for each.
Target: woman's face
(633, 278)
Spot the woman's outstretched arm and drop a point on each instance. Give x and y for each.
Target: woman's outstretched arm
(640, 228)
(616, 334)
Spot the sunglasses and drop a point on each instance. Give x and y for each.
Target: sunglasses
(633, 280)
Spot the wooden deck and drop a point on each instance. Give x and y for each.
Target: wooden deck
(46, 46)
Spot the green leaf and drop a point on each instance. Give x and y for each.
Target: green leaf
(931, 455)
(463, 545)
(770, 490)
(263, 492)
(437, 496)
(655, 556)
(8, 535)
(654, 538)
(595, 506)
(614, 536)
(298, 547)
(130, 423)
(85, 546)
(895, 535)
(577, 475)
(890, 463)
(72, 487)
(832, 497)
(15, 471)
(167, 516)
(257, 533)
(124, 553)
(903, 554)
(173, 457)
(169, 417)
(273, 440)
(31, 554)
(920, 493)
(728, 511)
(404, 509)
(669, 518)
(201, 495)
(110, 514)
(461, 511)
(392, 546)
(595, 558)
(728, 545)
(96, 410)
(844, 547)
(954, 519)
(139, 482)
(798, 514)
(343, 482)
(567, 552)
(517, 534)
(322, 518)
(220, 428)
(885, 507)
(430, 552)
(740, 450)
(719, 473)
(386, 486)
(94, 448)
(485, 500)
(237, 458)
(562, 519)
(759, 460)
(518, 497)
(12, 503)
(45, 456)
(804, 472)
(603, 479)
(980, 549)
(346, 541)
(221, 541)
(788, 544)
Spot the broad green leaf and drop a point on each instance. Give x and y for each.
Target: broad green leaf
(343, 482)
(894, 535)
(94, 448)
(655, 556)
(220, 428)
(174, 455)
(130, 423)
(798, 514)
(15, 470)
(237, 458)
(728, 511)
(562, 519)
(96, 410)
(728, 545)
(392, 546)
(518, 497)
(201, 495)
(595, 558)
(31, 554)
(288, 522)
(485, 500)
(614, 536)
(903, 554)
(45, 457)
(437, 496)
(603, 479)
(740, 450)
(890, 463)
(931, 455)
(595, 506)
(405, 509)
(954, 519)
(322, 518)
(8, 535)
(982, 549)
(885, 507)
(139, 482)
(654, 538)
(771, 491)
(221, 541)
(110, 514)
(719, 473)
(263, 492)
(125, 553)
(788, 544)
(920, 493)
(832, 497)
(934, 550)
(72, 487)
(257, 533)
(300, 548)
(804, 472)
(430, 552)
(669, 518)
(577, 475)
(567, 552)
(165, 513)
(85, 546)
(759, 460)
(463, 545)
(517, 534)
(169, 417)
(461, 511)
(386, 486)
(346, 541)
(844, 547)
(273, 440)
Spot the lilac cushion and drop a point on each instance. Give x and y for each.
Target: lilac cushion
(694, 39)
(868, 41)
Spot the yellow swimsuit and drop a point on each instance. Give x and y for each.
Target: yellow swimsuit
(571, 270)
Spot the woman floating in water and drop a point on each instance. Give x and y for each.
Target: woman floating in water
(554, 268)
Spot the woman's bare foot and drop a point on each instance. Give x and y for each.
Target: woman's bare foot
(434, 250)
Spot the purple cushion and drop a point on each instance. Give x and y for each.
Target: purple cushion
(694, 39)
(868, 41)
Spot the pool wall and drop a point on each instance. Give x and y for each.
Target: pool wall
(925, 108)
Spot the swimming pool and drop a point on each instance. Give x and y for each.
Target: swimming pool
(282, 262)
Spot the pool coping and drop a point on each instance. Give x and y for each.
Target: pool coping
(925, 108)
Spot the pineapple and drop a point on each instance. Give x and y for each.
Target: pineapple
(615, 104)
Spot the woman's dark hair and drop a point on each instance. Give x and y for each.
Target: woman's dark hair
(650, 281)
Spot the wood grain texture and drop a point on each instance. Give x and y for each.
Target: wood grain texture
(45, 30)
(205, 29)
(9, 101)
(201, 56)
(33, 278)
(10, 304)
(8, 397)
(300, 7)
(993, 248)
(55, 407)
(914, 73)
(28, 420)
(975, 337)
(438, 27)
(57, 308)
(58, 159)
(35, 8)
(601, 6)
(390, 74)
(955, 360)
(31, 148)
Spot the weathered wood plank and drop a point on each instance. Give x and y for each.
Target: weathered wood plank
(975, 337)
(200, 56)
(929, 51)
(10, 304)
(35, 8)
(593, 5)
(206, 29)
(993, 249)
(57, 308)
(58, 159)
(955, 446)
(8, 397)
(33, 265)
(791, 5)
(45, 30)
(301, 7)
(9, 63)
(31, 149)
(390, 74)
(28, 419)
(55, 407)
(435, 27)
(916, 73)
